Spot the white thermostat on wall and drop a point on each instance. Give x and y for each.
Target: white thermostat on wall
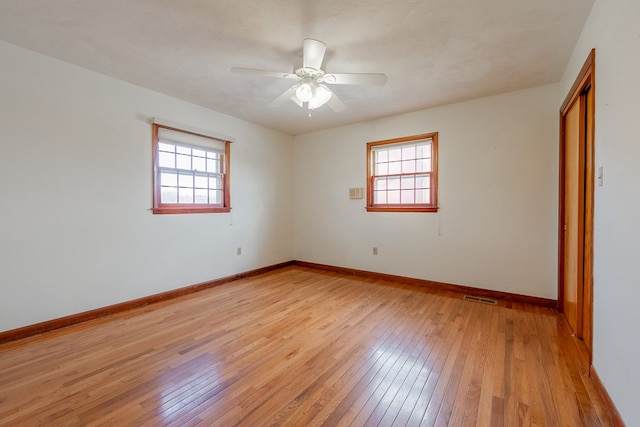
(356, 193)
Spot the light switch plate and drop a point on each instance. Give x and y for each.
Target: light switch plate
(600, 177)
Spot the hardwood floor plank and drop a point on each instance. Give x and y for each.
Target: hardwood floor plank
(318, 390)
(391, 391)
(442, 361)
(485, 398)
(299, 346)
(404, 391)
(469, 392)
(360, 393)
(334, 391)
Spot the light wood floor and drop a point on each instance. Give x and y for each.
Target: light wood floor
(301, 347)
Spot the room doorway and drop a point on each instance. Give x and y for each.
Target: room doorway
(575, 230)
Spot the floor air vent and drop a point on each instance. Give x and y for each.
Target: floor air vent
(479, 299)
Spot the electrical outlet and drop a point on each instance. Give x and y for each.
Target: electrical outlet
(375, 250)
(239, 251)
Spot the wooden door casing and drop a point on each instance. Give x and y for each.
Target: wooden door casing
(576, 199)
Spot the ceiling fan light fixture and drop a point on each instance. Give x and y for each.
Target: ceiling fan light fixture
(321, 96)
(305, 92)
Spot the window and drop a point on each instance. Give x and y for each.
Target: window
(402, 174)
(190, 172)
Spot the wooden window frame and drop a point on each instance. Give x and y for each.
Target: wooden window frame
(430, 207)
(179, 208)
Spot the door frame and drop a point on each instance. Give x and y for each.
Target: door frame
(584, 83)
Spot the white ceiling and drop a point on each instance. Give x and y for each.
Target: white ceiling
(434, 52)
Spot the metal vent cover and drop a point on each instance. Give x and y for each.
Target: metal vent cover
(480, 299)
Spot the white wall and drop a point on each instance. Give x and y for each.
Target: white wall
(498, 173)
(76, 232)
(613, 29)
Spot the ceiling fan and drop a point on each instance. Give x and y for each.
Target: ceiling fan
(310, 88)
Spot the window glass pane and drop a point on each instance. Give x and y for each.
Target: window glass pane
(185, 180)
(423, 196)
(198, 153)
(380, 197)
(422, 181)
(169, 179)
(183, 162)
(199, 164)
(163, 146)
(407, 182)
(380, 184)
(202, 195)
(393, 183)
(395, 168)
(213, 165)
(169, 195)
(408, 166)
(395, 154)
(166, 160)
(382, 169)
(185, 195)
(183, 150)
(409, 152)
(382, 156)
(407, 196)
(424, 150)
(424, 165)
(215, 196)
(393, 197)
(215, 182)
(201, 181)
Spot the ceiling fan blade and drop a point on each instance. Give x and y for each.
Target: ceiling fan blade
(283, 97)
(313, 54)
(355, 79)
(296, 101)
(240, 70)
(336, 104)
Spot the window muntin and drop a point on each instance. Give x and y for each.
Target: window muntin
(402, 174)
(191, 172)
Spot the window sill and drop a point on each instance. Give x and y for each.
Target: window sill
(181, 210)
(401, 209)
